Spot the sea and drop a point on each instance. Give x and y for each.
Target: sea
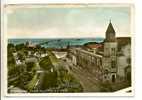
(56, 43)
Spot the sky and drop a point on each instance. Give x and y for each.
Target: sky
(66, 22)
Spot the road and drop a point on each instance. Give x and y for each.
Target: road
(89, 82)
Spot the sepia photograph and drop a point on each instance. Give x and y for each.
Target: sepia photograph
(69, 48)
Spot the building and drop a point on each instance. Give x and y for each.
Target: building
(30, 44)
(110, 55)
(87, 60)
(124, 57)
(109, 61)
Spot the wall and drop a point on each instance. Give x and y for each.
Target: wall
(122, 60)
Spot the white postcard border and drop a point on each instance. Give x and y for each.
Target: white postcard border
(4, 64)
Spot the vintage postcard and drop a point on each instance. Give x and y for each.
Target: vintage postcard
(68, 49)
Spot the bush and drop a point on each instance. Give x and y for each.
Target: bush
(49, 80)
(30, 66)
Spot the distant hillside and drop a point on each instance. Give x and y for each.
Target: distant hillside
(89, 43)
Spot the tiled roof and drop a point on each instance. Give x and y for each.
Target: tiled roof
(122, 41)
(94, 45)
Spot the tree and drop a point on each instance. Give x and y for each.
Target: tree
(21, 56)
(26, 52)
(11, 59)
(10, 46)
(49, 80)
(30, 66)
(68, 82)
(38, 47)
(20, 46)
(24, 79)
(46, 63)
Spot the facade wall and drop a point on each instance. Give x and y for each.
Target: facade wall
(122, 63)
(110, 61)
(123, 60)
(88, 61)
(110, 49)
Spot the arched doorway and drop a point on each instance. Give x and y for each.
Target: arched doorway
(113, 78)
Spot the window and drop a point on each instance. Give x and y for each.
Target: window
(106, 52)
(113, 64)
(113, 51)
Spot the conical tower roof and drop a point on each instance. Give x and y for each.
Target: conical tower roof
(110, 28)
(110, 33)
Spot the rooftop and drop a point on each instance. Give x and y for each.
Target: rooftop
(123, 41)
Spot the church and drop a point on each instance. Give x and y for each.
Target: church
(109, 61)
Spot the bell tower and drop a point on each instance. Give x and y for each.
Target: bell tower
(110, 33)
(110, 55)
